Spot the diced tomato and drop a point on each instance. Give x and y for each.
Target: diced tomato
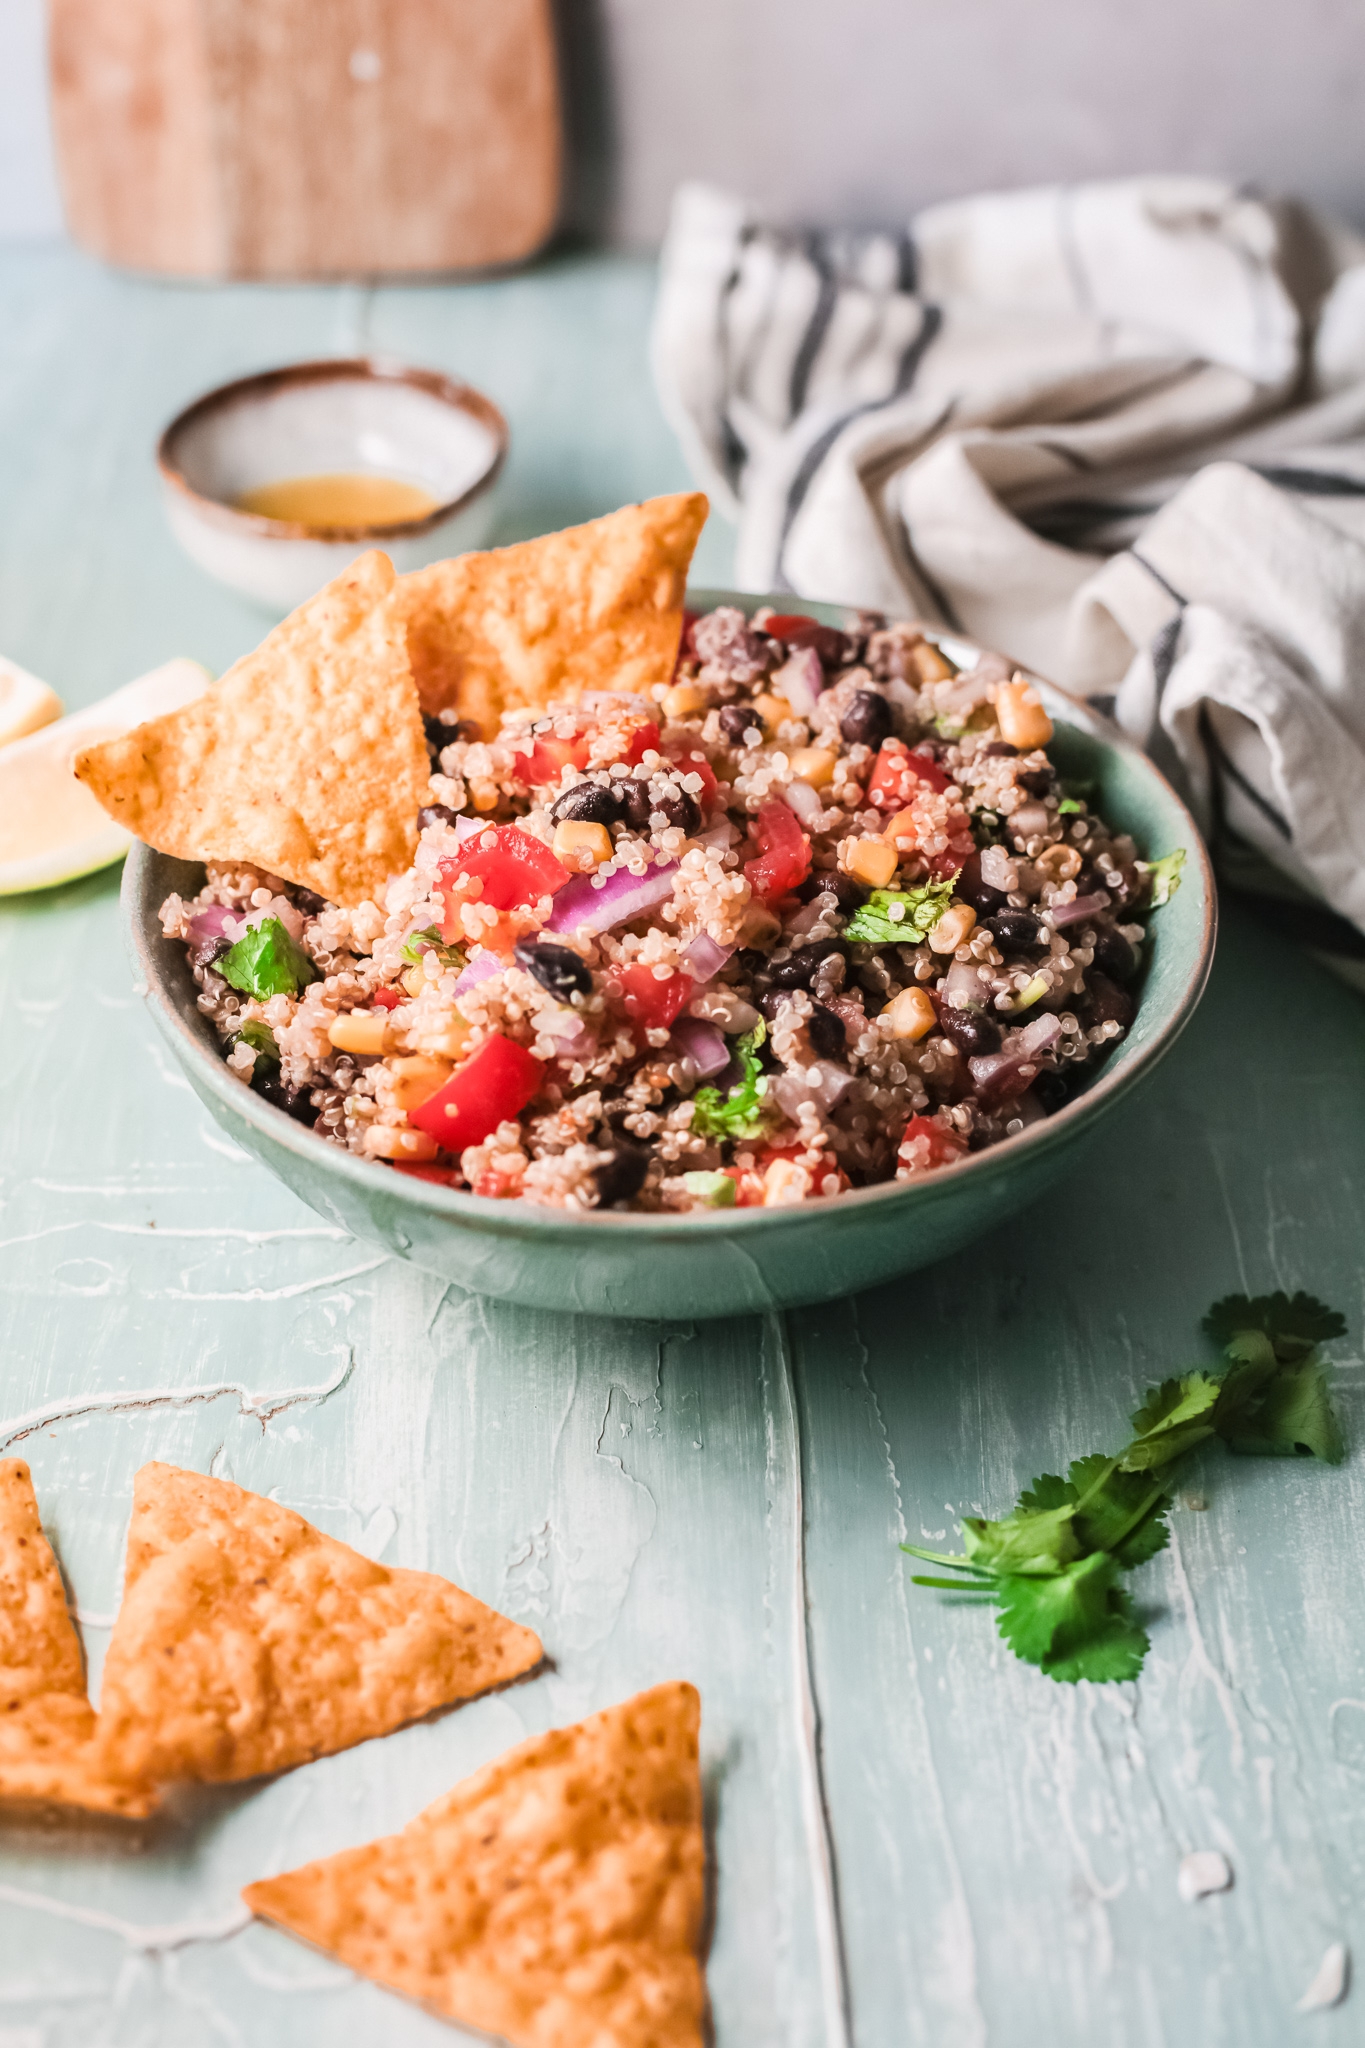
(945, 1147)
(794, 629)
(494, 1083)
(388, 998)
(550, 755)
(497, 1187)
(651, 1003)
(690, 758)
(784, 853)
(638, 737)
(897, 774)
(517, 869)
(440, 1176)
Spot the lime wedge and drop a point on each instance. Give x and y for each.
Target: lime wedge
(25, 703)
(51, 828)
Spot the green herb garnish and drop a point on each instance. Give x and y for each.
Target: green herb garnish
(261, 1039)
(1164, 876)
(1051, 1568)
(430, 941)
(890, 916)
(266, 962)
(717, 1190)
(1069, 807)
(743, 1113)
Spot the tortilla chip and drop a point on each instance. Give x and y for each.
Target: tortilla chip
(595, 607)
(307, 759)
(48, 1750)
(249, 1642)
(555, 1898)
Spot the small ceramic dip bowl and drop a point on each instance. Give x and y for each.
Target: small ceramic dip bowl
(345, 418)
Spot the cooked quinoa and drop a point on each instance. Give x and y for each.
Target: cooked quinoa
(816, 914)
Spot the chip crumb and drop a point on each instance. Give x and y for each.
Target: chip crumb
(1202, 1872)
(1330, 1984)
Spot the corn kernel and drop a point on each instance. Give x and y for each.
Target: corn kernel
(773, 711)
(929, 665)
(760, 927)
(1059, 863)
(416, 1079)
(483, 794)
(359, 1031)
(390, 1141)
(814, 765)
(910, 1014)
(683, 700)
(901, 830)
(784, 1181)
(1020, 715)
(413, 980)
(449, 1040)
(869, 860)
(953, 927)
(580, 845)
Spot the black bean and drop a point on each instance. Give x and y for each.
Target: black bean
(737, 719)
(621, 1176)
(435, 814)
(834, 648)
(1037, 781)
(592, 803)
(1052, 1090)
(847, 893)
(972, 1031)
(203, 952)
(556, 968)
(1014, 931)
(680, 808)
(1107, 1003)
(636, 802)
(309, 902)
(438, 733)
(867, 721)
(998, 750)
(1114, 956)
(970, 887)
(294, 1102)
(772, 1002)
(750, 961)
(799, 971)
(826, 1032)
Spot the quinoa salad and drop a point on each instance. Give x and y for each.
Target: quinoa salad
(816, 914)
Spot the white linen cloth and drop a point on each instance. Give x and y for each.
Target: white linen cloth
(1115, 430)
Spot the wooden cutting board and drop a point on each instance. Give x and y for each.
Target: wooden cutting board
(306, 138)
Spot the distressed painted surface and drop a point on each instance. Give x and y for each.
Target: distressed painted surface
(1004, 1851)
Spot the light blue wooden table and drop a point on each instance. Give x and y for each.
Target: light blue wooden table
(917, 1839)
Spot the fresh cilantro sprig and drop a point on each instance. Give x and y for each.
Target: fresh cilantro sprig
(907, 915)
(1052, 1567)
(430, 941)
(266, 962)
(1163, 877)
(743, 1112)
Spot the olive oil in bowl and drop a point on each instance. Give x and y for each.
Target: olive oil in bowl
(340, 501)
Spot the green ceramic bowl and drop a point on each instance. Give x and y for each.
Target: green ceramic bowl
(730, 1261)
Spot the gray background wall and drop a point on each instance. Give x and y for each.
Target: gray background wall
(869, 109)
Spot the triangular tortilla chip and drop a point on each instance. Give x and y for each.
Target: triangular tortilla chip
(555, 1898)
(307, 759)
(249, 1642)
(48, 1750)
(596, 607)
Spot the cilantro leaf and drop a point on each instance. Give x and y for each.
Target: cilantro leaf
(430, 941)
(743, 1113)
(1163, 877)
(1295, 1419)
(261, 1039)
(1076, 1624)
(1293, 1326)
(1070, 807)
(890, 916)
(1030, 1540)
(266, 962)
(1173, 1418)
(1121, 1512)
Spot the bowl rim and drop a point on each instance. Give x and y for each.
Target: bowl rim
(522, 1218)
(451, 391)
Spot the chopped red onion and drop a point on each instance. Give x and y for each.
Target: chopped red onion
(721, 836)
(702, 958)
(1040, 1035)
(800, 680)
(802, 799)
(208, 931)
(1002, 1073)
(969, 982)
(827, 1091)
(482, 967)
(703, 1044)
(469, 828)
(580, 906)
(1061, 914)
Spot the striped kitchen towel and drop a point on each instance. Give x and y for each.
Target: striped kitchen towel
(1117, 430)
